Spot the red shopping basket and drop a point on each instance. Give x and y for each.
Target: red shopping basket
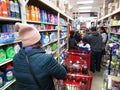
(75, 82)
(78, 55)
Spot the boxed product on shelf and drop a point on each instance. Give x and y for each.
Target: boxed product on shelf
(113, 83)
(6, 33)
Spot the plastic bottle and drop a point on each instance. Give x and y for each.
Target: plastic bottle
(42, 16)
(27, 12)
(12, 8)
(2, 82)
(4, 8)
(16, 48)
(17, 14)
(38, 14)
(10, 52)
(9, 72)
(2, 55)
(8, 7)
(0, 8)
(32, 13)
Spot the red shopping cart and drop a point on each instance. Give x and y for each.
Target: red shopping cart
(78, 77)
(75, 82)
(79, 55)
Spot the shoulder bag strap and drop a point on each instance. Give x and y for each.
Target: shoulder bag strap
(32, 73)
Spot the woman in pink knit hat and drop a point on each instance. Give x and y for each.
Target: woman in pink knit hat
(33, 68)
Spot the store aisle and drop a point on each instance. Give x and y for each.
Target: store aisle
(97, 81)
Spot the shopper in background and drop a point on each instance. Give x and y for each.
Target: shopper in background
(104, 41)
(72, 40)
(87, 33)
(95, 41)
(43, 65)
(104, 38)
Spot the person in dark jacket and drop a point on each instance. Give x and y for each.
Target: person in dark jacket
(44, 66)
(72, 40)
(95, 41)
(77, 37)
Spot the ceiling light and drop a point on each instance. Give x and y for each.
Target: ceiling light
(85, 2)
(84, 11)
(87, 7)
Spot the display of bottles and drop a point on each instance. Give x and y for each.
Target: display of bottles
(9, 8)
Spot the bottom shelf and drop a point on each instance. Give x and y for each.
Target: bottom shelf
(7, 84)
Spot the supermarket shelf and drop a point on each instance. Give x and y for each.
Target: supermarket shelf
(49, 30)
(115, 42)
(63, 45)
(53, 52)
(63, 37)
(111, 14)
(115, 26)
(6, 61)
(49, 4)
(7, 85)
(49, 43)
(62, 51)
(1, 44)
(38, 22)
(9, 19)
(115, 33)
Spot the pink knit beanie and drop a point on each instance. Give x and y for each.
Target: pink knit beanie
(28, 34)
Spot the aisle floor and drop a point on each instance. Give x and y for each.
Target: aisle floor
(97, 81)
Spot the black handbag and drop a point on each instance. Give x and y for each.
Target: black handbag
(32, 73)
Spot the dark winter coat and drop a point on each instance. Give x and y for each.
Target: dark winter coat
(72, 43)
(95, 41)
(44, 66)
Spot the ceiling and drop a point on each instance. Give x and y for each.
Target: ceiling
(91, 7)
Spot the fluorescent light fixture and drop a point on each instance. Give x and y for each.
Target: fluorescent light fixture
(84, 10)
(85, 2)
(87, 7)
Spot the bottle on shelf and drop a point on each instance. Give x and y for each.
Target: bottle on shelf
(12, 8)
(2, 55)
(32, 13)
(2, 81)
(8, 72)
(27, 12)
(8, 7)
(4, 8)
(17, 14)
(36, 14)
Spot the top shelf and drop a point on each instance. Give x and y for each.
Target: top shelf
(111, 14)
(49, 4)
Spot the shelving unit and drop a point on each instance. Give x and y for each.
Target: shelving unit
(114, 34)
(2, 44)
(53, 10)
(7, 85)
(115, 42)
(9, 19)
(6, 61)
(63, 38)
(48, 30)
(49, 43)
